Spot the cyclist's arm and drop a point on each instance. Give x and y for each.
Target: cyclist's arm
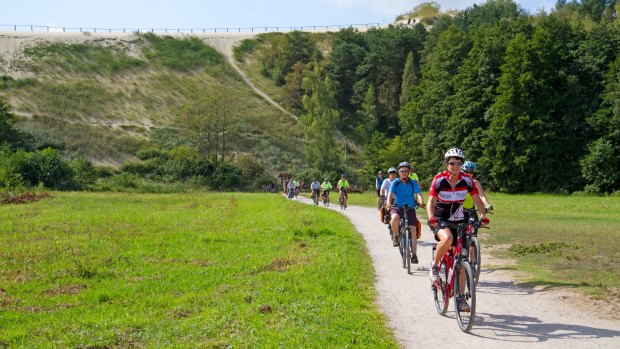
(482, 194)
(430, 207)
(420, 200)
(391, 199)
(479, 205)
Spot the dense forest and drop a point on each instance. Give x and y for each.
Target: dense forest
(533, 99)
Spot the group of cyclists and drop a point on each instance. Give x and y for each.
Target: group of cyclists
(453, 192)
(320, 190)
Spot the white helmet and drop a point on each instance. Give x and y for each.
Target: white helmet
(455, 153)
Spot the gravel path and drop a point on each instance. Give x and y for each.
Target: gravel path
(507, 316)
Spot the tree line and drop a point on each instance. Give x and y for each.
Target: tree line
(531, 98)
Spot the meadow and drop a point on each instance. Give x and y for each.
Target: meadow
(88, 270)
(556, 240)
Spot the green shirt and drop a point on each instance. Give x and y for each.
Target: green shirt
(343, 183)
(326, 186)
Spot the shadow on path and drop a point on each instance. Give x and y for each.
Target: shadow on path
(512, 328)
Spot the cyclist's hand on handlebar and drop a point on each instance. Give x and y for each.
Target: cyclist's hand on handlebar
(433, 222)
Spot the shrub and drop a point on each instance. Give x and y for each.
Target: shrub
(600, 167)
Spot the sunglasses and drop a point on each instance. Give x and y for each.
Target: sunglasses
(404, 171)
(455, 163)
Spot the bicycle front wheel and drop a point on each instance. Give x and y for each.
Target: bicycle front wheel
(401, 247)
(440, 290)
(465, 300)
(475, 258)
(408, 250)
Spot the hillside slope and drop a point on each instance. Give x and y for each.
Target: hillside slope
(107, 96)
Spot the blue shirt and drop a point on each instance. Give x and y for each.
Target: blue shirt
(378, 182)
(404, 192)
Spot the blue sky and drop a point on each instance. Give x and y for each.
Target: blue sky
(216, 13)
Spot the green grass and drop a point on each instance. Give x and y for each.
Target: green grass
(184, 271)
(79, 58)
(560, 240)
(556, 240)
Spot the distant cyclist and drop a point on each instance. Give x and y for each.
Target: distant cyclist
(385, 191)
(404, 191)
(378, 181)
(326, 186)
(343, 186)
(469, 168)
(445, 204)
(315, 186)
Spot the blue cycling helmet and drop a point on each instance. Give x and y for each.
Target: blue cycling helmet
(468, 166)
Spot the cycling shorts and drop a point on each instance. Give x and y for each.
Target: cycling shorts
(413, 220)
(452, 230)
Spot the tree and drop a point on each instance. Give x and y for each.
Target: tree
(8, 134)
(319, 120)
(410, 78)
(210, 123)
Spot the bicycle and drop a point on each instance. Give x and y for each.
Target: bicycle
(325, 197)
(475, 257)
(453, 262)
(315, 196)
(404, 236)
(343, 200)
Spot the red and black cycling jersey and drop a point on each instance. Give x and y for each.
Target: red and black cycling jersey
(450, 199)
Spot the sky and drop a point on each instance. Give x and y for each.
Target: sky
(187, 14)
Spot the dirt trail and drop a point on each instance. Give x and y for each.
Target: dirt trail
(507, 316)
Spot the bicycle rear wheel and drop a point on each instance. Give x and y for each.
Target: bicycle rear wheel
(475, 258)
(440, 290)
(465, 318)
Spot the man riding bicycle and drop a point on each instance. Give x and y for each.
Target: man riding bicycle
(445, 204)
(378, 182)
(326, 186)
(342, 186)
(403, 191)
(469, 168)
(315, 186)
(385, 191)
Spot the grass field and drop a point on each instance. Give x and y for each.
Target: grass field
(557, 240)
(92, 270)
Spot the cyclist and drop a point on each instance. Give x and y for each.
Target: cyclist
(403, 191)
(297, 185)
(342, 186)
(315, 186)
(326, 186)
(378, 181)
(385, 190)
(445, 204)
(291, 189)
(469, 168)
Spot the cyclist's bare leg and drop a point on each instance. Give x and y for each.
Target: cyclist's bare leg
(445, 243)
(394, 222)
(414, 239)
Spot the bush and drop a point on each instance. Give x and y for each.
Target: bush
(600, 167)
(85, 174)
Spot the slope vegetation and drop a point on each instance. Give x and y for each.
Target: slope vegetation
(106, 97)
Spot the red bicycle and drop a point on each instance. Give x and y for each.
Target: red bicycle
(455, 263)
